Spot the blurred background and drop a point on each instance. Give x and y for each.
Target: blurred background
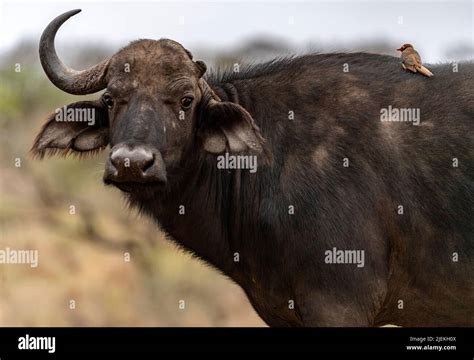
(84, 256)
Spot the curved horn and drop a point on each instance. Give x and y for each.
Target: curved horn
(69, 80)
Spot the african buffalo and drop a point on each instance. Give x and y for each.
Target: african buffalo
(360, 211)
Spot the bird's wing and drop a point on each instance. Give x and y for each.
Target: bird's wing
(409, 62)
(408, 59)
(417, 58)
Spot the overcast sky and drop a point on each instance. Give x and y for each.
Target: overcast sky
(432, 26)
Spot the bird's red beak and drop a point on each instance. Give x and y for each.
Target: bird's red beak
(399, 49)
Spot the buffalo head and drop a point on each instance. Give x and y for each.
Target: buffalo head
(156, 109)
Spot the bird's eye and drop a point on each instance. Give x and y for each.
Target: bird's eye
(108, 101)
(186, 102)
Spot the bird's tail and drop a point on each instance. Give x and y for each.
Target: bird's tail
(421, 69)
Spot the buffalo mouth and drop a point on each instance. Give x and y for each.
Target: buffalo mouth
(135, 186)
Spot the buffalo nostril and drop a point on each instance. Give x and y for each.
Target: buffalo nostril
(115, 162)
(119, 158)
(148, 163)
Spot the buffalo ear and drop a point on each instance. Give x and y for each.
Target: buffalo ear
(228, 126)
(201, 67)
(80, 128)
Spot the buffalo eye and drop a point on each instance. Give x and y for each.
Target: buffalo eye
(108, 101)
(186, 102)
